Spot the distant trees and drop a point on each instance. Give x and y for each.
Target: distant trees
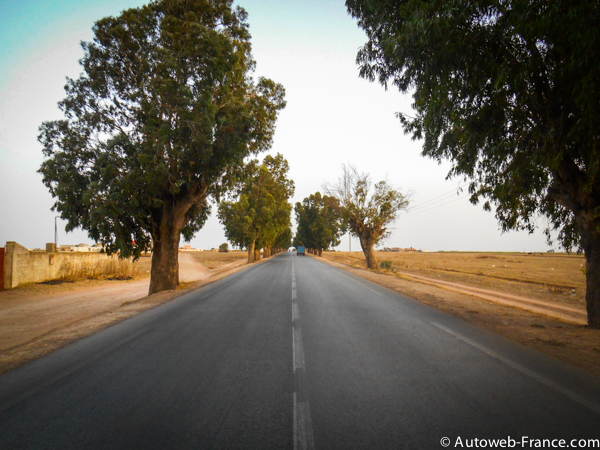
(320, 223)
(165, 108)
(367, 209)
(259, 214)
(224, 247)
(508, 92)
(284, 240)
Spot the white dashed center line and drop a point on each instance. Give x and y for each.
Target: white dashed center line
(303, 432)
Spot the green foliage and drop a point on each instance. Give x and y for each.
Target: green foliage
(386, 265)
(261, 213)
(367, 209)
(224, 247)
(284, 240)
(319, 220)
(505, 90)
(161, 116)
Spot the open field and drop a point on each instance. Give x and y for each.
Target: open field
(555, 277)
(210, 260)
(524, 275)
(214, 260)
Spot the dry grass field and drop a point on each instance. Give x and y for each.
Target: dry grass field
(211, 260)
(214, 260)
(553, 278)
(556, 277)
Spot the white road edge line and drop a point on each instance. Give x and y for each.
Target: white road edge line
(360, 284)
(521, 369)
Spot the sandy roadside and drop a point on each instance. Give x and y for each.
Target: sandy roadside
(574, 343)
(38, 319)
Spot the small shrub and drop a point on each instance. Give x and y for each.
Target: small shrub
(386, 265)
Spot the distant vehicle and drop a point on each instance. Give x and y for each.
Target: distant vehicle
(301, 250)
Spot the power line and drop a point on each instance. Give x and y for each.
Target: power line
(437, 206)
(435, 200)
(429, 203)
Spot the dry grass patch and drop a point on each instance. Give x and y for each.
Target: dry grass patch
(556, 277)
(210, 260)
(215, 260)
(111, 268)
(525, 275)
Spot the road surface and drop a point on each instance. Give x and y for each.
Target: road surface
(294, 354)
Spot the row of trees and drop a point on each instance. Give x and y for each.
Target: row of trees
(354, 204)
(160, 121)
(166, 111)
(258, 215)
(320, 223)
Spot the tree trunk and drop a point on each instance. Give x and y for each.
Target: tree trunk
(169, 221)
(164, 274)
(257, 254)
(591, 246)
(366, 242)
(320, 252)
(251, 252)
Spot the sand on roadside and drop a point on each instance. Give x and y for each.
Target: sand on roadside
(573, 343)
(37, 319)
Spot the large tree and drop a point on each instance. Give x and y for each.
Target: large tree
(367, 209)
(508, 92)
(260, 211)
(319, 221)
(164, 110)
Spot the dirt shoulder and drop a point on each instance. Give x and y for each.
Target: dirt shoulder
(38, 319)
(571, 342)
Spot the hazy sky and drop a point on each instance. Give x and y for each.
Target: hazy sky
(333, 117)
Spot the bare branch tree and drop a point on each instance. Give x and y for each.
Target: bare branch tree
(368, 208)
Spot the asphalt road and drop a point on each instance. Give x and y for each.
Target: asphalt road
(294, 354)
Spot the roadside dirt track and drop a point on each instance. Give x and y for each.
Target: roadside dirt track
(561, 338)
(38, 319)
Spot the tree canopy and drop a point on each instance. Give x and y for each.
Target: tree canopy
(367, 209)
(319, 220)
(259, 215)
(508, 92)
(165, 109)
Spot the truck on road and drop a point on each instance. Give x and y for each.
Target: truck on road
(301, 250)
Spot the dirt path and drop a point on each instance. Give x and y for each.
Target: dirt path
(571, 314)
(541, 329)
(38, 319)
(32, 311)
(191, 270)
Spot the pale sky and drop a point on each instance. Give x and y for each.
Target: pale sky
(333, 117)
